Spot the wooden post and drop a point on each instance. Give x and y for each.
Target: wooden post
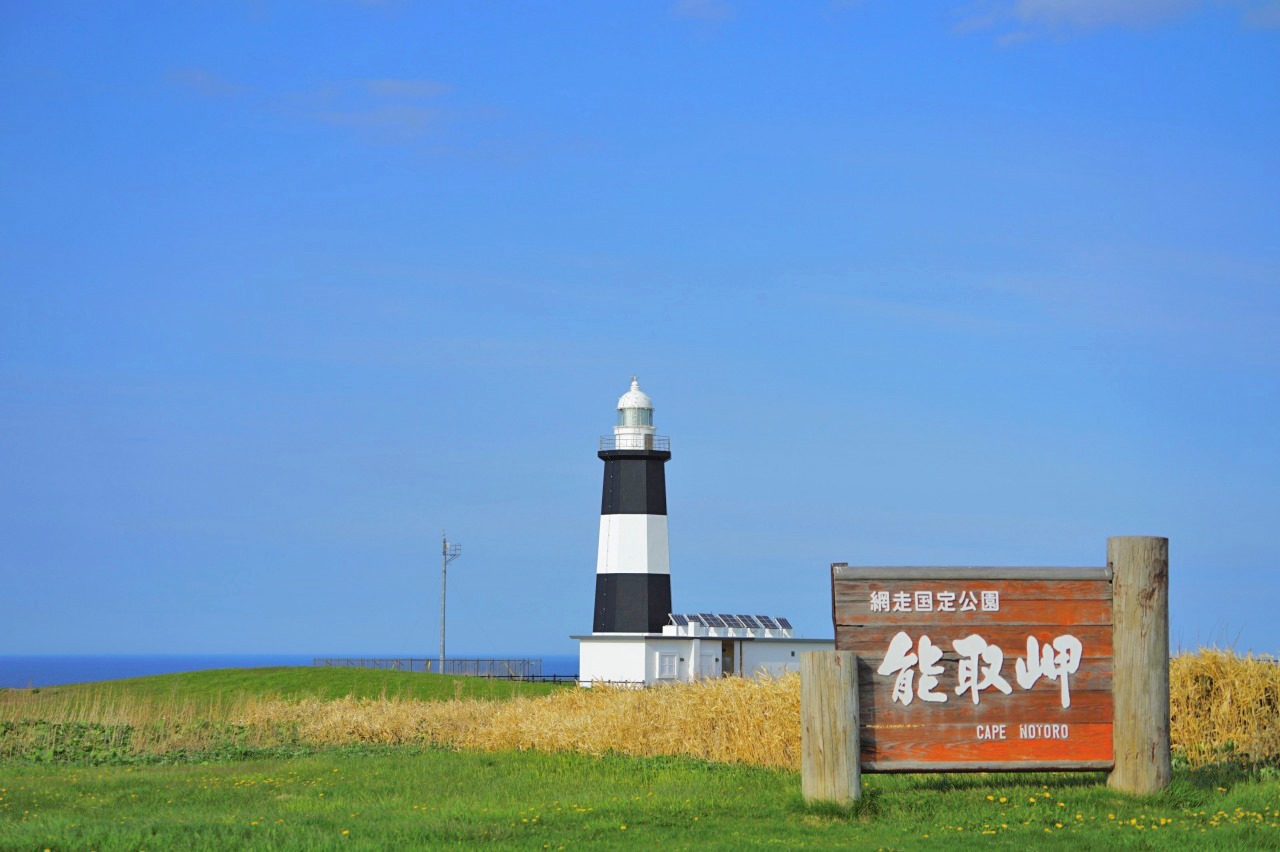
(830, 750)
(1140, 682)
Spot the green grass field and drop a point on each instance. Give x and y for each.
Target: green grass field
(214, 686)
(372, 797)
(401, 798)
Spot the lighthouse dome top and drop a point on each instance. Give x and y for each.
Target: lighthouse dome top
(633, 430)
(635, 398)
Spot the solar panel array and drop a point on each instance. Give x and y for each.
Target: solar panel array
(710, 619)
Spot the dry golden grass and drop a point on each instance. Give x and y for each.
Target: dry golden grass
(115, 720)
(728, 720)
(107, 705)
(1222, 705)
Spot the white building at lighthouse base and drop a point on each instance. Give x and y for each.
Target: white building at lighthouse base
(683, 653)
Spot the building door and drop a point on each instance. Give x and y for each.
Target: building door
(727, 661)
(708, 666)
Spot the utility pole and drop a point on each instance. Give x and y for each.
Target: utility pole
(448, 553)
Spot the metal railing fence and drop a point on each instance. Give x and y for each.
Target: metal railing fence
(635, 442)
(514, 669)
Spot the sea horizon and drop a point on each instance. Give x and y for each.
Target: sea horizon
(23, 671)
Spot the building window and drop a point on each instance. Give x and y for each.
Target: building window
(666, 667)
(635, 416)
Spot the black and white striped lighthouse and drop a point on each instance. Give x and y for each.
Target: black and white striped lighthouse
(633, 564)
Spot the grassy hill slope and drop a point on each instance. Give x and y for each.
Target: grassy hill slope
(219, 686)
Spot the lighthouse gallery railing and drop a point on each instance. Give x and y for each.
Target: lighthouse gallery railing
(609, 443)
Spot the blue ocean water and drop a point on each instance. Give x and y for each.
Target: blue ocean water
(57, 669)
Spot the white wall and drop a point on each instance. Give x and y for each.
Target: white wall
(611, 659)
(776, 658)
(682, 648)
(637, 659)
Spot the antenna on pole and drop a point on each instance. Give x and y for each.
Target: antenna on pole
(448, 553)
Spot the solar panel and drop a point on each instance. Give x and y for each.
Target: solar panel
(783, 623)
(712, 620)
(694, 618)
(678, 620)
(766, 622)
(730, 620)
(748, 621)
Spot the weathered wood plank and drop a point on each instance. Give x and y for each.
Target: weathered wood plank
(829, 736)
(988, 766)
(1094, 674)
(960, 744)
(872, 642)
(1035, 612)
(1023, 590)
(1043, 702)
(1142, 755)
(841, 571)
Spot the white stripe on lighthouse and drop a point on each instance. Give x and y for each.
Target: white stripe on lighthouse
(633, 544)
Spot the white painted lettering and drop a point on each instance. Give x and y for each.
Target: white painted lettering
(980, 664)
(929, 655)
(1054, 662)
(898, 660)
(1040, 731)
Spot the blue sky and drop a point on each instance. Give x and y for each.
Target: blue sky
(287, 288)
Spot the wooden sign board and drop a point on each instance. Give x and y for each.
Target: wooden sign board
(979, 669)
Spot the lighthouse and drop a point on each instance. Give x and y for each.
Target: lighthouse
(633, 564)
(635, 637)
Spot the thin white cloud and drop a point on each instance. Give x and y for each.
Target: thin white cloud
(204, 82)
(979, 15)
(1262, 14)
(404, 111)
(1090, 14)
(1018, 20)
(385, 110)
(395, 122)
(407, 89)
(703, 10)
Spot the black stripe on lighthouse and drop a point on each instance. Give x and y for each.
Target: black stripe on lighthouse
(635, 482)
(633, 572)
